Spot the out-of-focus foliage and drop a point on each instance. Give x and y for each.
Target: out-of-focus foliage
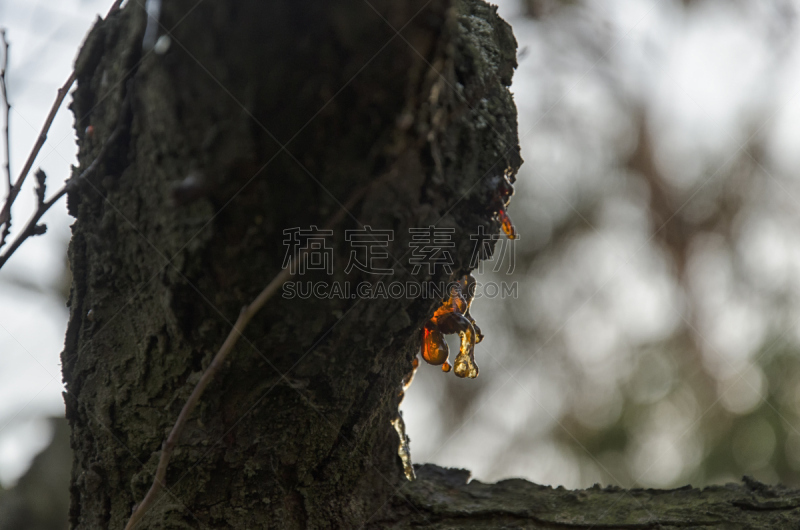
(654, 341)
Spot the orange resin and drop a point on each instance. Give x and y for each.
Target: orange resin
(434, 347)
(450, 318)
(507, 225)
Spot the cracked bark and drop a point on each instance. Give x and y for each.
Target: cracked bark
(279, 111)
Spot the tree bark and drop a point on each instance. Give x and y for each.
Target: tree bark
(259, 117)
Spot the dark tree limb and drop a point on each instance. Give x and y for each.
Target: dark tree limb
(445, 499)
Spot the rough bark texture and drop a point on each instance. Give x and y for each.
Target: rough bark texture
(281, 110)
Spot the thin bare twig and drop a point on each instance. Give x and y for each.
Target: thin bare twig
(4, 91)
(247, 313)
(5, 214)
(14, 189)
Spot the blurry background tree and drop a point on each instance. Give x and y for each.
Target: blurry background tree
(655, 338)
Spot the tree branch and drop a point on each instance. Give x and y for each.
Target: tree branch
(5, 214)
(14, 189)
(4, 93)
(445, 500)
(35, 229)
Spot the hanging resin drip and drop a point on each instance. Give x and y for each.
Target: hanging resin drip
(453, 317)
(499, 203)
(506, 224)
(402, 449)
(450, 318)
(434, 348)
(465, 361)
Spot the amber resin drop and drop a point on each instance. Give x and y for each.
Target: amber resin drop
(506, 224)
(434, 347)
(450, 318)
(465, 361)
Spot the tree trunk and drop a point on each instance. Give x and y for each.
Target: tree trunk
(260, 117)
